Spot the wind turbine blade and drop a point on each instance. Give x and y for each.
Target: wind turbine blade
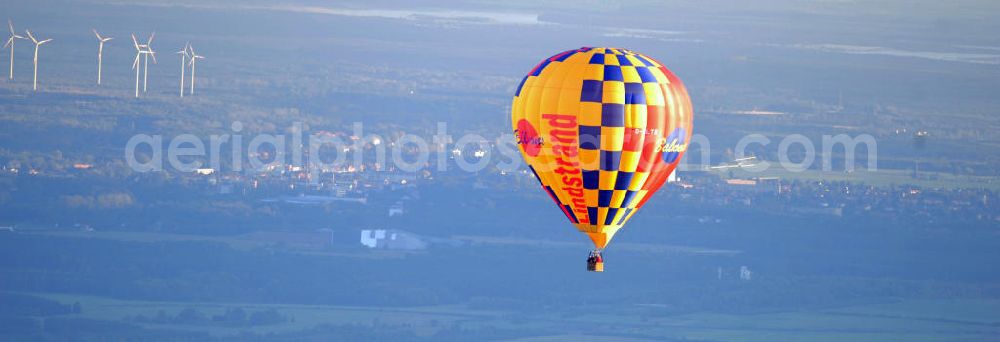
(10, 25)
(108, 39)
(45, 41)
(97, 34)
(153, 54)
(9, 41)
(136, 62)
(31, 36)
(135, 42)
(150, 41)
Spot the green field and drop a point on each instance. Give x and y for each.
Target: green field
(910, 320)
(907, 320)
(423, 320)
(880, 177)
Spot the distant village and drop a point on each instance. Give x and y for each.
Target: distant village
(355, 184)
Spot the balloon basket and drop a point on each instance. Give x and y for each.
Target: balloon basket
(596, 267)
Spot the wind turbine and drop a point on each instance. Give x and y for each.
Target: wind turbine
(142, 50)
(184, 55)
(135, 64)
(37, 44)
(194, 57)
(10, 42)
(100, 53)
(149, 52)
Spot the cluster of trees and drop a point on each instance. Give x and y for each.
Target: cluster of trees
(111, 200)
(15, 304)
(234, 316)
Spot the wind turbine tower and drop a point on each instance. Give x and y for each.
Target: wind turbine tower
(100, 53)
(10, 42)
(135, 64)
(194, 57)
(37, 44)
(184, 56)
(149, 53)
(141, 50)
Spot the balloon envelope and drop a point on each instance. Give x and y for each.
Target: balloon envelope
(602, 129)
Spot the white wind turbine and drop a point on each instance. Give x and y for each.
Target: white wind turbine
(139, 51)
(149, 53)
(10, 42)
(184, 56)
(37, 44)
(194, 57)
(135, 64)
(100, 53)
(142, 50)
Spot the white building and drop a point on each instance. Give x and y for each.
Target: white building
(391, 239)
(745, 273)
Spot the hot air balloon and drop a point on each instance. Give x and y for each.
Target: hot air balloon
(601, 129)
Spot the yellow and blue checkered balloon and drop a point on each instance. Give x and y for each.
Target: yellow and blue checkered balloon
(602, 129)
